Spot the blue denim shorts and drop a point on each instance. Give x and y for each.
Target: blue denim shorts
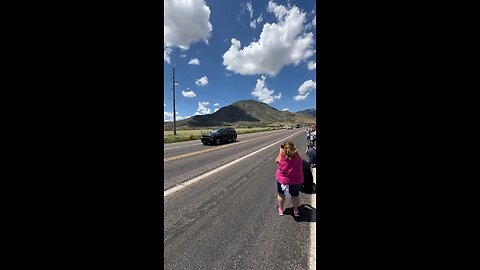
(294, 190)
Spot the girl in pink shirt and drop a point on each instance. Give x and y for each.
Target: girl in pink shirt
(289, 176)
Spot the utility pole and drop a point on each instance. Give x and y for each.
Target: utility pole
(174, 118)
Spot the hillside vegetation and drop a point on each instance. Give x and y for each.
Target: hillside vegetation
(247, 114)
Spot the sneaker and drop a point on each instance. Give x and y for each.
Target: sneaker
(295, 213)
(280, 211)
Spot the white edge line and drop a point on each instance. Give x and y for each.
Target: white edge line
(313, 237)
(200, 177)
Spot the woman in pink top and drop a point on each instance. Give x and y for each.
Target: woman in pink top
(289, 176)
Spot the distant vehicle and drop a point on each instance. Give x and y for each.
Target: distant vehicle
(289, 127)
(218, 136)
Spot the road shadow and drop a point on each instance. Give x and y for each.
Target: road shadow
(307, 212)
(223, 143)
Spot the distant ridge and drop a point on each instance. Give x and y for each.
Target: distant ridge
(246, 113)
(308, 112)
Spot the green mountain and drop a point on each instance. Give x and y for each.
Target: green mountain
(244, 113)
(308, 112)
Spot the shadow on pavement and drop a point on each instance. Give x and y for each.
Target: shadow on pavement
(311, 190)
(307, 213)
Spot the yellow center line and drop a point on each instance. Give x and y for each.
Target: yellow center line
(212, 149)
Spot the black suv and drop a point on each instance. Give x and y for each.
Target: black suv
(220, 135)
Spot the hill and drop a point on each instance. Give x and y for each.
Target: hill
(308, 112)
(244, 113)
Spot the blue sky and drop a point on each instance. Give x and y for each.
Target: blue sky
(226, 51)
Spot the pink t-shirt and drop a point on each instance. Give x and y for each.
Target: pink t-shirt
(289, 172)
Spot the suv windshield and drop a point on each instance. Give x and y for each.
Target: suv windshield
(215, 131)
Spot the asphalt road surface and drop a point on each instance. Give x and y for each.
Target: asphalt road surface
(228, 219)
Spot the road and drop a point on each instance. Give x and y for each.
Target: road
(227, 219)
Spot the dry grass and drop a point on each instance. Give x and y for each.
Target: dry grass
(195, 134)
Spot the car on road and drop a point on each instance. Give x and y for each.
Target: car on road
(289, 127)
(220, 135)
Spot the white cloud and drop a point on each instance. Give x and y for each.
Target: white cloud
(305, 89)
(312, 65)
(182, 118)
(260, 19)
(253, 24)
(166, 53)
(216, 104)
(202, 81)
(194, 61)
(263, 93)
(183, 55)
(189, 94)
(216, 109)
(164, 104)
(202, 108)
(307, 86)
(314, 21)
(286, 109)
(168, 116)
(185, 22)
(280, 44)
(300, 97)
(250, 9)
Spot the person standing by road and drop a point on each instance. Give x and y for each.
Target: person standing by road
(311, 152)
(289, 176)
(308, 137)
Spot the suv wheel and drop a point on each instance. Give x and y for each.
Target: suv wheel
(235, 138)
(217, 141)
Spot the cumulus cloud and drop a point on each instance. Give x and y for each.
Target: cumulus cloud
(286, 109)
(180, 31)
(202, 81)
(183, 55)
(312, 65)
(280, 44)
(305, 89)
(190, 94)
(202, 108)
(314, 21)
(168, 116)
(194, 61)
(300, 97)
(263, 93)
(216, 105)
